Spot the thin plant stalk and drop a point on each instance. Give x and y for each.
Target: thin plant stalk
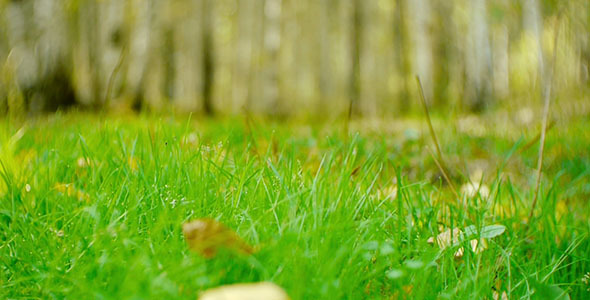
(439, 162)
(547, 102)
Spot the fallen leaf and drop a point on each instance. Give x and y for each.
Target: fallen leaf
(246, 291)
(446, 238)
(206, 236)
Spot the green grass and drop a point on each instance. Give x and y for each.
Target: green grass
(324, 230)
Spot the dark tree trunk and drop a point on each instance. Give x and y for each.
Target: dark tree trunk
(207, 58)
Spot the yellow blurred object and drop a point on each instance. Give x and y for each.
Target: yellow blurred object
(389, 192)
(132, 163)
(246, 291)
(498, 296)
(83, 162)
(69, 190)
(473, 189)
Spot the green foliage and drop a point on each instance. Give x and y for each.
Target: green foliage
(487, 232)
(548, 292)
(97, 211)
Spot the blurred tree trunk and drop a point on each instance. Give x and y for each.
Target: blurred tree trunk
(242, 69)
(402, 56)
(532, 22)
(478, 92)
(255, 80)
(137, 34)
(37, 71)
(355, 53)
(4, 50)
(422, 16)
(584, 43)
(207, 57)
(500, 49)
(324, 43)
(272, 44)
(275, 56)
(442, 51)
(585, 52)
(168, 51)
(94, 47)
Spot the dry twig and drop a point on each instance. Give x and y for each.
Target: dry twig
(439, 162)
(547, 101)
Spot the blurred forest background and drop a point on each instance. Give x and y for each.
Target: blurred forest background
(289, 57)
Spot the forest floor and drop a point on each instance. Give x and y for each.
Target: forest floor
(93, 208)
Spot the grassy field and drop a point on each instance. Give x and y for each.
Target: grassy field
(93, 208)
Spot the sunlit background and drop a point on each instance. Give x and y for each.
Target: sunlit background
(292, 57)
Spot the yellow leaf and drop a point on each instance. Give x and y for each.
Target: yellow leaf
(206, 236)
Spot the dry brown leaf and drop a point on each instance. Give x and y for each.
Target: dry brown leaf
(446, 238)
(206, 236)
(355, 171)
(246, 291)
